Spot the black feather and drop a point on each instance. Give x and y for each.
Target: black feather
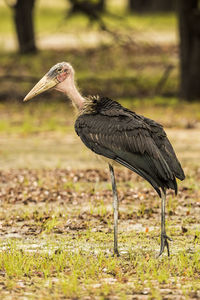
(134, 141)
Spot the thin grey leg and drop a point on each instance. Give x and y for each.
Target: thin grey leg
(164, 237)
(115, 209)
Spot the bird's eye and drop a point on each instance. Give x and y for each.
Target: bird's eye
(59, 69)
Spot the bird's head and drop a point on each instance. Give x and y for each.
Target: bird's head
(58, 77)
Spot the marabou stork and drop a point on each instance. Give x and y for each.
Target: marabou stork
(121, 136)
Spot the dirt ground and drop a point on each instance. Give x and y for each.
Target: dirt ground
(51, 210)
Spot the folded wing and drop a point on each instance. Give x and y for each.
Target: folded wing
(138, 143)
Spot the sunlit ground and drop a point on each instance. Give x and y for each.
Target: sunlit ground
(56, 222)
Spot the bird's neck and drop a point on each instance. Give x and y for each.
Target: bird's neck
(68, 87)
(75, 96)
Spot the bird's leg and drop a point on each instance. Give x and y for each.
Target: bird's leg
(115, 210)
(164, 237)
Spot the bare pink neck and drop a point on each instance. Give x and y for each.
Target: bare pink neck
(68, 87)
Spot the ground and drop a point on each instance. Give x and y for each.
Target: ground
(56, 229)
(56, 221)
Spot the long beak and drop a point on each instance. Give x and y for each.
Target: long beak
(43, 85)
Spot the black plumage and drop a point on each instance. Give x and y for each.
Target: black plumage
(136, 142)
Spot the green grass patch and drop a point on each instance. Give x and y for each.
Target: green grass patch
(41, 115)
(78, 273)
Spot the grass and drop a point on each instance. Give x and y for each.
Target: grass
(57, 237)
(81, 274)
(51, 18)
(42, 116)
(40, 134)
(78, 272)
(97, 71)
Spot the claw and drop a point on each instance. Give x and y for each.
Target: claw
(164, 243)
(116, 254)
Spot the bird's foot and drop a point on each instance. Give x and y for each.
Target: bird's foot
(164, 243)
(116, 253)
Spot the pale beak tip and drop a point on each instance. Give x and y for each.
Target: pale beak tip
(28, 97)
(25, 99)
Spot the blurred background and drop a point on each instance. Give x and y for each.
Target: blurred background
(145, 54)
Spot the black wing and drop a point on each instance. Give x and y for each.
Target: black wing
(132, 141)
(165, 147)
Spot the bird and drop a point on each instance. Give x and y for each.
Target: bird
(119, 136)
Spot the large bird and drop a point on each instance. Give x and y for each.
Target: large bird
(119, 135)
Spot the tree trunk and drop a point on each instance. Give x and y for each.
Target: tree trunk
(189, 28)
(23, 18)
(144, 6)
(101, 5)
(87, 6)
(138, 6)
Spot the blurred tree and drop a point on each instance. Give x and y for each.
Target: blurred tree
(141, 6)
(23, 19)
(89, 7)
(189, 27)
